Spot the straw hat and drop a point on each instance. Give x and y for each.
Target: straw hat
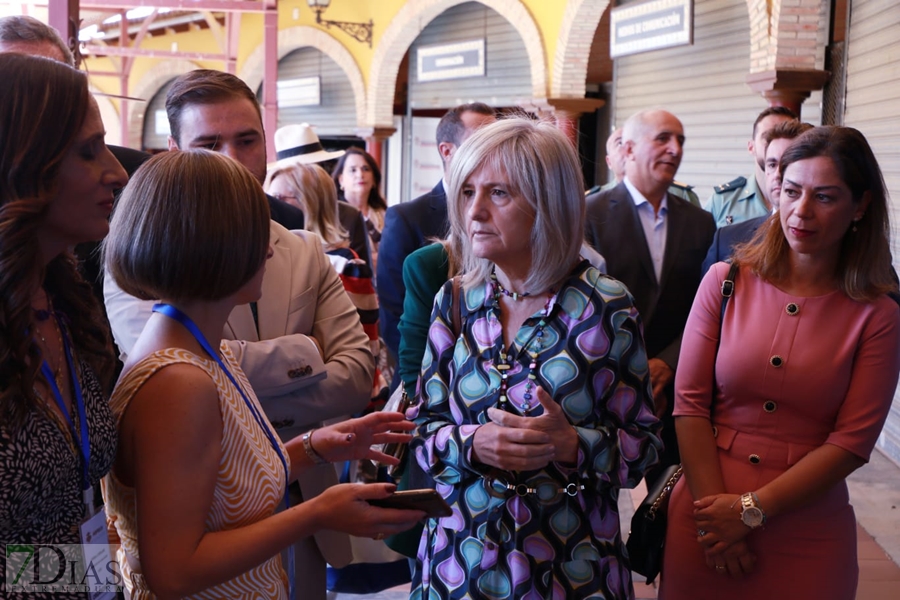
(299, 144)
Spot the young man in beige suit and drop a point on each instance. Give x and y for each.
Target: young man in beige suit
(302, 346)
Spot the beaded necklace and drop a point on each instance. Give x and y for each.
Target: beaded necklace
(505, 362)
(499, 287)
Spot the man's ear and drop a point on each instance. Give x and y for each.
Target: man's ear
(628, 149)
(446, 149)
(751, 147)
(173, 145)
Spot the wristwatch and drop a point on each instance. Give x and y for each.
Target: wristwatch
(751, 514)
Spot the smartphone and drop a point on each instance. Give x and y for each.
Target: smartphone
(396, 449)
(428, 500)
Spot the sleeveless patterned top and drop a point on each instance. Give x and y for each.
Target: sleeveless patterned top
(249, 488)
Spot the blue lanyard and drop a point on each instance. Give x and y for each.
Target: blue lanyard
(173, 313)
(84, 441)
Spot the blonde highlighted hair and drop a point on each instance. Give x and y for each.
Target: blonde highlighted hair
(541, 166)
(317, 198)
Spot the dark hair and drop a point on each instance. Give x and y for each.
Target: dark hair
(375, 199)
(864, 266)
(190, 225)
(451, 128)
(786, 130)
(40, 117)
(774, 110)
(22, 29)
(204, 86)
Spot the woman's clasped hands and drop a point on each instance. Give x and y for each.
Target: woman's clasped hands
(516, 443)
(722, 534)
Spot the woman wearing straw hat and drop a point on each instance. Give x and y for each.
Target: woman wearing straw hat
(298, 144)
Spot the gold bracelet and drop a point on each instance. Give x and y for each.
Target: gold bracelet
(314, 456)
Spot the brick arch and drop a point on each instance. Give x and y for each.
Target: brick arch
(573, 48)
(154, 79)
(291, 39)
(405, 27)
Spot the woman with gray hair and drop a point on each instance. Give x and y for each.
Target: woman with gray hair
(539, 410)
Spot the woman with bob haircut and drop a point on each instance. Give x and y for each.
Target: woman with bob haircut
(57, 434)
(200, 471)
(311, 189)
(771, 424)
(539, 411)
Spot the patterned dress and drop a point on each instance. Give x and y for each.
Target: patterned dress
(250, 483)
(546, 544)
(40, 476)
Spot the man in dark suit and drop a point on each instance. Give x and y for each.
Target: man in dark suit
(776, 139)
(654, 243)
(410, 225)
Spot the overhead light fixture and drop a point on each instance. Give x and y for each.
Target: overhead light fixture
(361, 32)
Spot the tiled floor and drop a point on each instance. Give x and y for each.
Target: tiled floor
(875, 494)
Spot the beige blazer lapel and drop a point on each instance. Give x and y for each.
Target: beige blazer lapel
(276, 291)
(240, 325)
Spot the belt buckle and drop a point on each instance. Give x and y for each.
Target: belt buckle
(495, 480)
(522, 490)
(498, 487)
(572, 489)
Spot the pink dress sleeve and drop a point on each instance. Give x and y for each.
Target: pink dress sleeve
(872, 382)
(695, 379)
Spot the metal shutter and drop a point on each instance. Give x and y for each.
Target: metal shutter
(704, 85)
(156, 109)
(873, 87)
(336, 113)
(507, 77)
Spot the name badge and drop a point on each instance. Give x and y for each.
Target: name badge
(102, 575)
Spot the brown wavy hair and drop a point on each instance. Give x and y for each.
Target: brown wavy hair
(864, 269)
(375, 199)
(40, 117)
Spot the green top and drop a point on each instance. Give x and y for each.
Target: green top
(424, 272)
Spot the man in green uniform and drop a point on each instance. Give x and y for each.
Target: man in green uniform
(745, 198)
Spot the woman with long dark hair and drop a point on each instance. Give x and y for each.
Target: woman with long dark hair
(57, 177)
(358, 180)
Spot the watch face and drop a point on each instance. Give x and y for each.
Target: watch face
(752, 517)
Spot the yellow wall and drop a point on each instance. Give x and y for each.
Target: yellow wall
(547, 15)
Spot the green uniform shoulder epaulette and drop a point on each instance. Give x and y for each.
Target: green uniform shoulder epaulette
(734, 184)
(682, 186)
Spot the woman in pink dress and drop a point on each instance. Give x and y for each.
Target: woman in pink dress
(772, 418)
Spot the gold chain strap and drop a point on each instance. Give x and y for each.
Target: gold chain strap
(667, 489)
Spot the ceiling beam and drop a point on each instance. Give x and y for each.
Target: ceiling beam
(100, 50)
(188, 5)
